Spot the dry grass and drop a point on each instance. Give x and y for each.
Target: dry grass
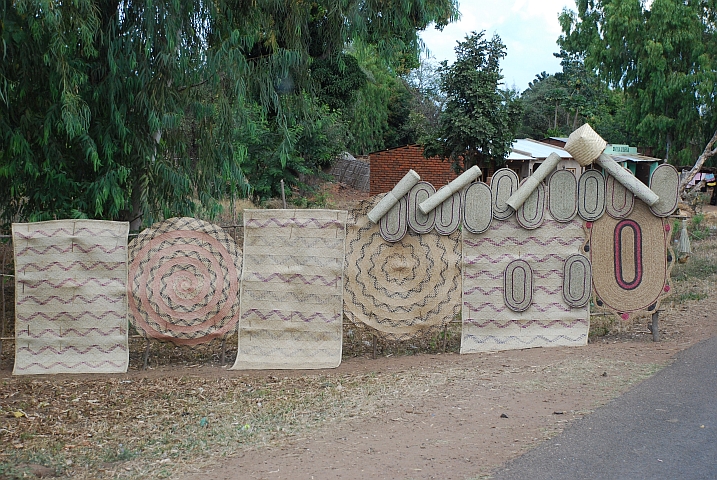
(139, 427)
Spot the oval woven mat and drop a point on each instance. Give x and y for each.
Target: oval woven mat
(591, 195)
(502, 185)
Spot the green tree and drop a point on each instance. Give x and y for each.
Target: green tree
(479, 121)
(663, 58)
(131, 110)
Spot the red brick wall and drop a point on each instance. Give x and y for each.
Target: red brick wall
(389, 166)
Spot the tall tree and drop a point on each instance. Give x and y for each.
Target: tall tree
(479, 121)
(662, 55)
(131, 110)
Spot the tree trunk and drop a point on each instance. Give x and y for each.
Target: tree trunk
(709, 151)
(555, 120)
(575, 120)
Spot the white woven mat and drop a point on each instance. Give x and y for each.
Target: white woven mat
(292, 289)
(70, 297)
(488, 323)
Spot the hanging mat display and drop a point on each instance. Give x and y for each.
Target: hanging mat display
(401, 288)
(184, 281)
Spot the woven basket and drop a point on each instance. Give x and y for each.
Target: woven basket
(585, 145)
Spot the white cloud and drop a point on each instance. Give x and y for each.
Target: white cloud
(529, 28)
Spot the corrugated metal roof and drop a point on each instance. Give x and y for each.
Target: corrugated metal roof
(537, 150)
(634, 157)
(513, 155)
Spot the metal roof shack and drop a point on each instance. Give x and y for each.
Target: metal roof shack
(526, 155)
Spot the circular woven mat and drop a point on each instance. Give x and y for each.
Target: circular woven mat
(184, 281)
(402, 288)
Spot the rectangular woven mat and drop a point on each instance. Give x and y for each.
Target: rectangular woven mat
(292, 289)
(70, 297)
(488, 323)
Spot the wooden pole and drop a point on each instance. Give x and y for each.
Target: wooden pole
(145, 356)
(283, 195)
(656, 326)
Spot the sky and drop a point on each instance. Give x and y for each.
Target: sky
(528, 28)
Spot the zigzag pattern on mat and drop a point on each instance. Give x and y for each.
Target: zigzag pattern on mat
(184, 281)
(68, 232)
(70, 349)
(295, 278)
(530, 323)
(289, 316)
(292, 286)
(77, 367)
(488, 322)
(67, 316)
(498, 308)
(73, 300)
(66, 267)
(294, 222)
(534, 341)
(76, 332)
(72, 282)
(402, 288)
(71, 285)
(70, 249)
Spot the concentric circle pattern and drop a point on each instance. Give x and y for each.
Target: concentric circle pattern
(401, 288)
(184, 281)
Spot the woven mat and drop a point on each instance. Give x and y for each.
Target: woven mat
(591, 195)
(402, 288)
(184, 281)
(477, 207)
(503, 184)
(619, 201)
(448, 215)
(292, 289)
(665, 181)
(70, 297)
(531, 214)
(630, 261)
(563, 198)
(394, 225)
(418, 221)
(489, 324)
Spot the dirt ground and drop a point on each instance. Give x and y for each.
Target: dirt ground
(460, 417)
(422, 416)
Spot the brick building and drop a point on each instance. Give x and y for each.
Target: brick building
(389, 166)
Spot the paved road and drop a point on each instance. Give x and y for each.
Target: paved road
(665, 428)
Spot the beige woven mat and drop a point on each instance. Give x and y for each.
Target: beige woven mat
(631, 261)
(184, 281)
(70, 297)
(401, 288)
(489, 323)
(292, 289)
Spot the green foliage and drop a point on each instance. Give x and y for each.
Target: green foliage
(338, 80)
(381, 113)
(141, 110)
(662, 56)
(479, 121)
